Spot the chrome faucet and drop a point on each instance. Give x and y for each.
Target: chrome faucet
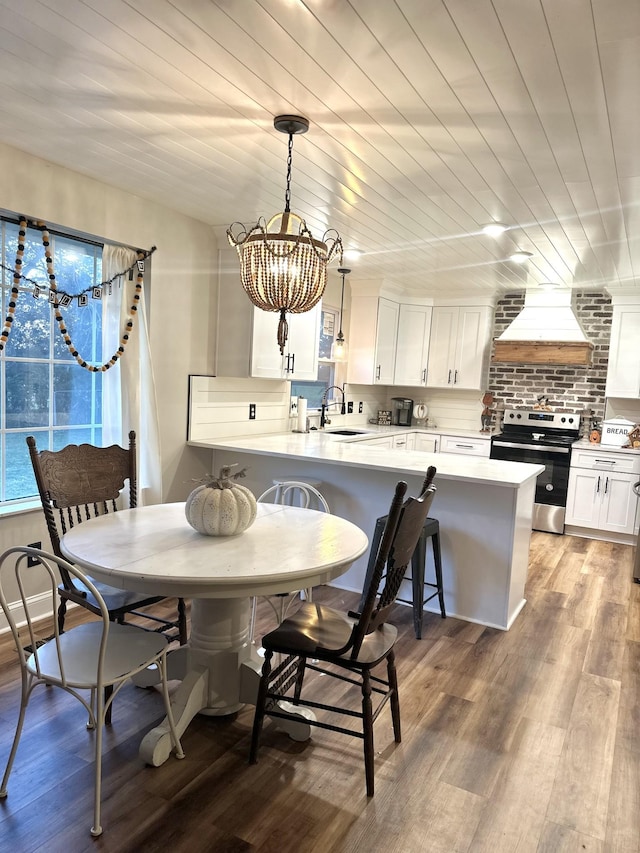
(324, 420)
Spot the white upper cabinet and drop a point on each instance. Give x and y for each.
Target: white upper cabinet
(459, 347)
(373, 333)
(246, 338)
(300, 360)
(388, 338)
(412, 350)
(623, 372)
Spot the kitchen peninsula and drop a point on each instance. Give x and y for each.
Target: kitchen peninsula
(484, 507)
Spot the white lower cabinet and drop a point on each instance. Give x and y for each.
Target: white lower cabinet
(430, 443)
(601, 497)
(425, 442)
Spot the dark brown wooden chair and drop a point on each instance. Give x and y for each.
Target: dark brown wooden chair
(347, 646)
(80, 482)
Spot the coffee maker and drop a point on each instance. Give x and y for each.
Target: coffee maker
(402, 409)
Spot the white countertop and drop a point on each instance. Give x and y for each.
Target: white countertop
(585, 444)
(325, 447)
(378, 429)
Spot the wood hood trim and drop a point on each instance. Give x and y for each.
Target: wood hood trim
(543, 352)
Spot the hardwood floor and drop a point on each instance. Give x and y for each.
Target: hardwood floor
(526, 740)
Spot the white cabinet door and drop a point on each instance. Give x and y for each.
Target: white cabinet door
(459, 347)
(386, 338)
(426, 443)
(412, 351)
(623, 371)
(618, 510)
(373, 331)
(300, 360)
(304, 339)
(601, 500)
(472, 347)
(444, 325)
(266, 361)
(583, 498)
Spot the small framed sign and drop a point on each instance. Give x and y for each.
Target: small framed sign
(384, 418)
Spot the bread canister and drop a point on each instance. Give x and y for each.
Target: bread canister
(616, 431)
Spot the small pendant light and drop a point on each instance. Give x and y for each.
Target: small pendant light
(339, 345)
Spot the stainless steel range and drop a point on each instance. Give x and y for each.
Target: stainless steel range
(542, 438)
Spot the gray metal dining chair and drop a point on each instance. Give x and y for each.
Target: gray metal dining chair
(92, 656)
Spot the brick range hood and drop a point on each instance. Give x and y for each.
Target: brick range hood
(546, 331)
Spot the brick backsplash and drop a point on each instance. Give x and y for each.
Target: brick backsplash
(568, 387)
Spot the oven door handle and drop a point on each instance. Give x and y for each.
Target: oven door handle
(541, 449)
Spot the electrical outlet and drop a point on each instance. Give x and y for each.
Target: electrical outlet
(30, 560)
(293, 406)
(252, 411)
(350, 407)
(360, 408)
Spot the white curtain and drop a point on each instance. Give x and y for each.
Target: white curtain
(129, 394)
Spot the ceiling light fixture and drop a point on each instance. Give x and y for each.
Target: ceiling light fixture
(520, 257)
(352, 254)
(282, 266)
(494, 229)
(339, 345)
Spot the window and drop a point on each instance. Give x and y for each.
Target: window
(328, 371)
(44, 392)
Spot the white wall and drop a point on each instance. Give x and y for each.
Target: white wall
(181, 305)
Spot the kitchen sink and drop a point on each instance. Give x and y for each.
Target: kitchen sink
(347, 431)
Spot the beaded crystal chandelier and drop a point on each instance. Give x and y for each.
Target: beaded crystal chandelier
(282, 266)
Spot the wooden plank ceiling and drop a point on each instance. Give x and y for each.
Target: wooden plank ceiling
(429, 118)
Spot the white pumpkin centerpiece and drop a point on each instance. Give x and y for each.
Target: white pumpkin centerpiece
(220, 506)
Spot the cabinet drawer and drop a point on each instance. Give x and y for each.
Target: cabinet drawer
(387, 442)
(403, 442)
(628, 463)
(468, 446)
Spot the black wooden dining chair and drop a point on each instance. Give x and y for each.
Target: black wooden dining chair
(347, 646)
(80, 482)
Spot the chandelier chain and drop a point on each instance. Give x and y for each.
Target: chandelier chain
(287, 194)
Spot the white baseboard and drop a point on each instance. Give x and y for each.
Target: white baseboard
(39, 607)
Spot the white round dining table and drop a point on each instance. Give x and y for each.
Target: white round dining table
(154, 549)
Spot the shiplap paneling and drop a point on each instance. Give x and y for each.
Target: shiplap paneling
(219, 407)
(430, 119)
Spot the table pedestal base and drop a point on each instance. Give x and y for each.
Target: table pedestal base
(220, 673)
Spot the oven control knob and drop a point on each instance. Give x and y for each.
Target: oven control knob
(549, 487)
(563, 419)
(518, 415)
(511, 415)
